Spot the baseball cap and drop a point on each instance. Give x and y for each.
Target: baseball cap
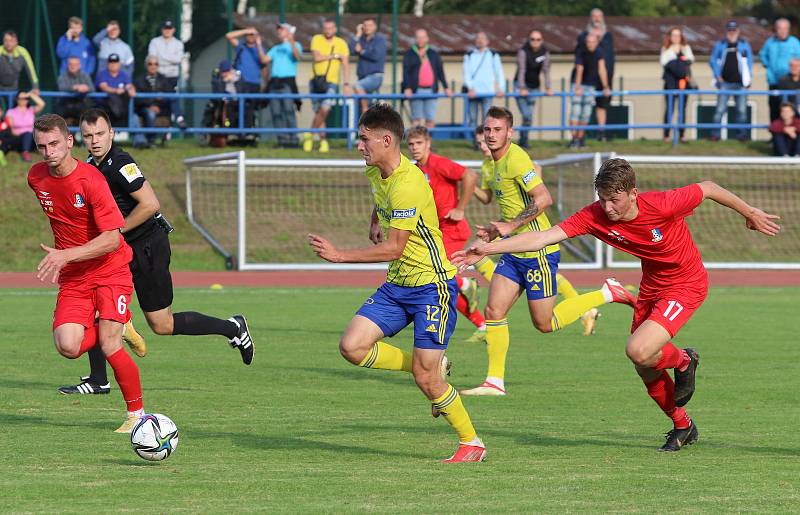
(288, 26)
(113, 58)
(732, 25)
(168, 25)
(225, 66)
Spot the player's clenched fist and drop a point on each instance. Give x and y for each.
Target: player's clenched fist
(324, 249)
(52, 263)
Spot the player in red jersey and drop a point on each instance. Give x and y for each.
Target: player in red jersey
(652, 227)
(89, 261)
(444, 177)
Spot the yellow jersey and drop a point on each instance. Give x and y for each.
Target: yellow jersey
(405, 201)
(335, 46)
(510, 179)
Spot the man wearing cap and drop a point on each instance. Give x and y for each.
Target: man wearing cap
(370, 47)
(283, 59)
(169, 51)
(108, 42)
(732, 64)
(117, 84)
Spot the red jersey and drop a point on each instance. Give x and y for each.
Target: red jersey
(443, 175)
(658, 236)
(80, 207)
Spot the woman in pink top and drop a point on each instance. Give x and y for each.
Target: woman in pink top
(20, 119)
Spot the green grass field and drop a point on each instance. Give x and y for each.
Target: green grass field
(303, 431)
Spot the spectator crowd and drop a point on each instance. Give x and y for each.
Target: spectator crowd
(106, 63)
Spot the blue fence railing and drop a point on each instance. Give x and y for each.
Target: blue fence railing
(349, 124)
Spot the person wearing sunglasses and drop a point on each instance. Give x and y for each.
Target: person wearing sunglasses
(533, 61)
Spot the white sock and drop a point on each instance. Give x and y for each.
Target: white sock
(497, 381)
(139, 413)
(465, 284)
(482, 327)
(607, 293)
(476, 442)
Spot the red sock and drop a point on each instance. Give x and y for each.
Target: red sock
(89, 339)
(476, 317)
(462, 305)
(459, 282)
(127, 375)
(672, 357)
(662, 390)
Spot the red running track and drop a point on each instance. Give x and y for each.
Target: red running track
(579, 278)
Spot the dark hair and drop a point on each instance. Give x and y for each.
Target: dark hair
(370, 18)
(479, 130)
(787, 104)
(418, 131)
(501, 113)
(10, 33)
(49, 123)
(615, 175)
(91, 116)
(383, 116)
(74, 20)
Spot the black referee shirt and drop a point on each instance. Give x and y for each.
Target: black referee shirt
(124, 177)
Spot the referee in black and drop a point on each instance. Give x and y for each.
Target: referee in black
(146, 232)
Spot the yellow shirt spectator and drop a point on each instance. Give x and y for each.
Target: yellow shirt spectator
(325, 47)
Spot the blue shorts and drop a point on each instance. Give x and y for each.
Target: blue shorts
(537, 275)
(431, 307)
(370, 83)
(423, 109)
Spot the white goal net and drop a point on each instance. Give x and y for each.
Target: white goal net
(258, 212)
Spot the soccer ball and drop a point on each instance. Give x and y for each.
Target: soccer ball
(154, 437)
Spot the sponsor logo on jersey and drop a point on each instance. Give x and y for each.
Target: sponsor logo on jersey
(528, 177)
(617, 236)
(78, 201)
(498, 193)
(657, 236)
(382, 212)
(404, 213)
(44, 193)
(131, 172)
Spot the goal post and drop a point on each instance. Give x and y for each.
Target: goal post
(257, 212)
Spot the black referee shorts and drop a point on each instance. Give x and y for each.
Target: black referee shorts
(150, 270)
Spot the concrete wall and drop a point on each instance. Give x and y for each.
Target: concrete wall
(637, 73)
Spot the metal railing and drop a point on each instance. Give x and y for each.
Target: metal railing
(349, 109)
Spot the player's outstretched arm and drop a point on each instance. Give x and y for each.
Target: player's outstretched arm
(485, 196)
(755, 218)
(55, 260)
(388, 250)
(525, 242)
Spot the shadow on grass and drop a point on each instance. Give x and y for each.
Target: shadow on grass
(278, 443)
(22, 384)
(26, 420)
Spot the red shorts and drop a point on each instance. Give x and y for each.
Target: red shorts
(81, 304)
(452, 245)
(669, 311)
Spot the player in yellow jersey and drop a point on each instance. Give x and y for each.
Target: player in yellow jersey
(523, 198)
(564, 287)
(420, 285)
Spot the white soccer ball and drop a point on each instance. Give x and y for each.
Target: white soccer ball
(154, 437)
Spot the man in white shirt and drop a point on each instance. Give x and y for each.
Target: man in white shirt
(169, 51)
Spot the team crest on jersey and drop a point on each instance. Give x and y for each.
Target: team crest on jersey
(657, 236)
(79, 201)
(404, 213)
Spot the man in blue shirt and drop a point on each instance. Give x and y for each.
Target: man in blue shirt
(74, 44)
(119, 87)
(283, 58)
(483, 79)
(370, 46)
(250, 58)
(775, 55)
(732, 64)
